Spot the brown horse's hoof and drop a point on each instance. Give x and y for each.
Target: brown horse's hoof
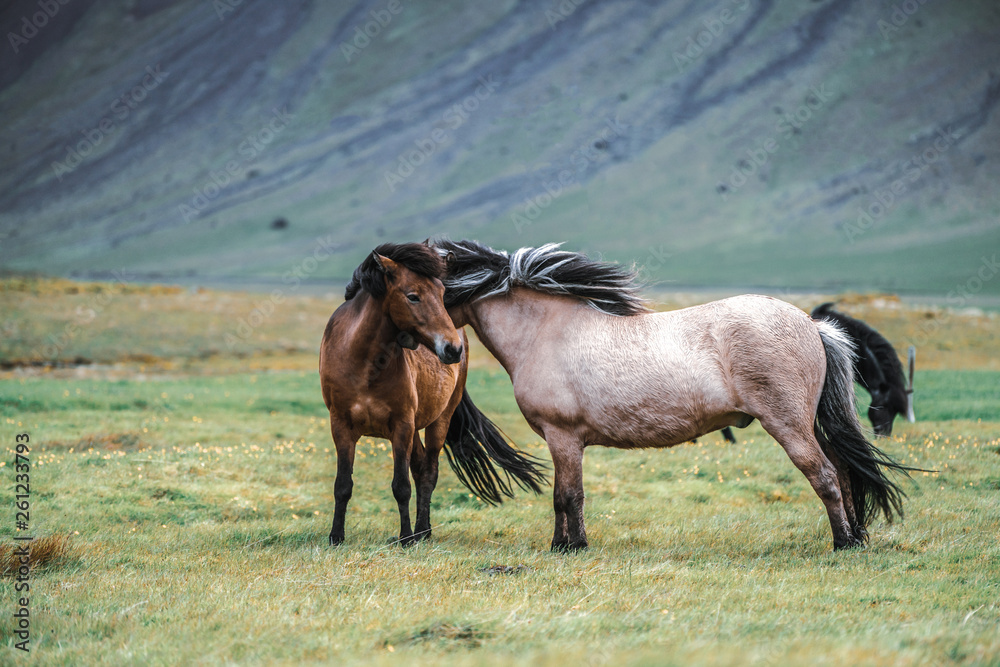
(569, 547)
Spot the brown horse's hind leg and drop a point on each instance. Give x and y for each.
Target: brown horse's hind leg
(345, 441)
(402, 442)
(424, 464)
(567, 496)
(803, 449)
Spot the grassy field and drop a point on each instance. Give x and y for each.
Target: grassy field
(190, 488)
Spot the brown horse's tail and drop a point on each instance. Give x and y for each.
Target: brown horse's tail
(474, 444)
(839, 431)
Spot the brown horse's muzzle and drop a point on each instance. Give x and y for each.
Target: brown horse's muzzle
(448, 353)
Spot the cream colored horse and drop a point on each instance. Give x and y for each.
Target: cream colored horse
(591, 365)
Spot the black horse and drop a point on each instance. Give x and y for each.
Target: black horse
(877, 369)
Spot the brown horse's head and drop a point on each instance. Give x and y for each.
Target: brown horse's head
(413, 300)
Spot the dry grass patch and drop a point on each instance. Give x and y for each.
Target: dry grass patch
(46, 552)
(128, 441)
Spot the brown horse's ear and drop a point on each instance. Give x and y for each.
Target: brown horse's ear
(387, 265)
(427, 242)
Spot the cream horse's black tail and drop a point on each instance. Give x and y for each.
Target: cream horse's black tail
(839, 431)
(474, 443)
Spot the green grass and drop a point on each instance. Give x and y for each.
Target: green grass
(198, 509)
(196, 493)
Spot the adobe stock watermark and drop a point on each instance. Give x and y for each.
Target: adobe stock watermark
(249, 149)
(454, 118)
(987, 271)
(119, 111)
(901, 13)
(262, 311)
(37, 21)
(959, 297)
(223, 7)
(562, 12)
(884, 199)
(787, 125)
(586, 154)
(82, 317)
(715, 25)
(655, 260)
(381, 18)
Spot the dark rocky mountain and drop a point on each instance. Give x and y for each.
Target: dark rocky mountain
(830, 144)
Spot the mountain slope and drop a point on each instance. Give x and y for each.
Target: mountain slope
(828, 144)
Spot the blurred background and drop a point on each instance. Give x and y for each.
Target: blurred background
(829, 146)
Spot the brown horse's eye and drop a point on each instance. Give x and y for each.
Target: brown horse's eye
(413, 298)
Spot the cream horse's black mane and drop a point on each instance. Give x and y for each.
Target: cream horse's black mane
(476, 271)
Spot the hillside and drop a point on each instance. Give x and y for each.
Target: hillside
(826, 145)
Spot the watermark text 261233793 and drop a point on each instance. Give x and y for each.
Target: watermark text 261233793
(22, 517)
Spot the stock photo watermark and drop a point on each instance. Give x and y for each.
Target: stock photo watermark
(33, 23)
(323, 249)
(884, 199)
(788, 124)
(900, 15)
(987, 271)
(586, 154)
(223, 7)
(655, 260)
(249, 149)
(454, 118)
(381, 18)
(715, 25)
(83, 316)
(120, 109)
(959, 297)
(562, 12)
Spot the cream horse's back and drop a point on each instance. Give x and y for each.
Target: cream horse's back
(591, 365)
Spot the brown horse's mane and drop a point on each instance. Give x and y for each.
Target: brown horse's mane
(476, 271)
(417, 257)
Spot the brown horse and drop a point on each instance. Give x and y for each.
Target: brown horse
(380, 378)
(591, 365)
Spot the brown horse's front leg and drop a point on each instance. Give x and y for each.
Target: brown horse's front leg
(567, 496)
(345, 441)
(402, 442)
(424, 462)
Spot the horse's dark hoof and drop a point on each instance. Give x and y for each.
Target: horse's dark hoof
(851, 543)
(336, 540)
(568, 547)
(407, 541)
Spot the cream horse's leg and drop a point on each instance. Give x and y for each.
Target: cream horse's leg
(567, 497)
(800, 443)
